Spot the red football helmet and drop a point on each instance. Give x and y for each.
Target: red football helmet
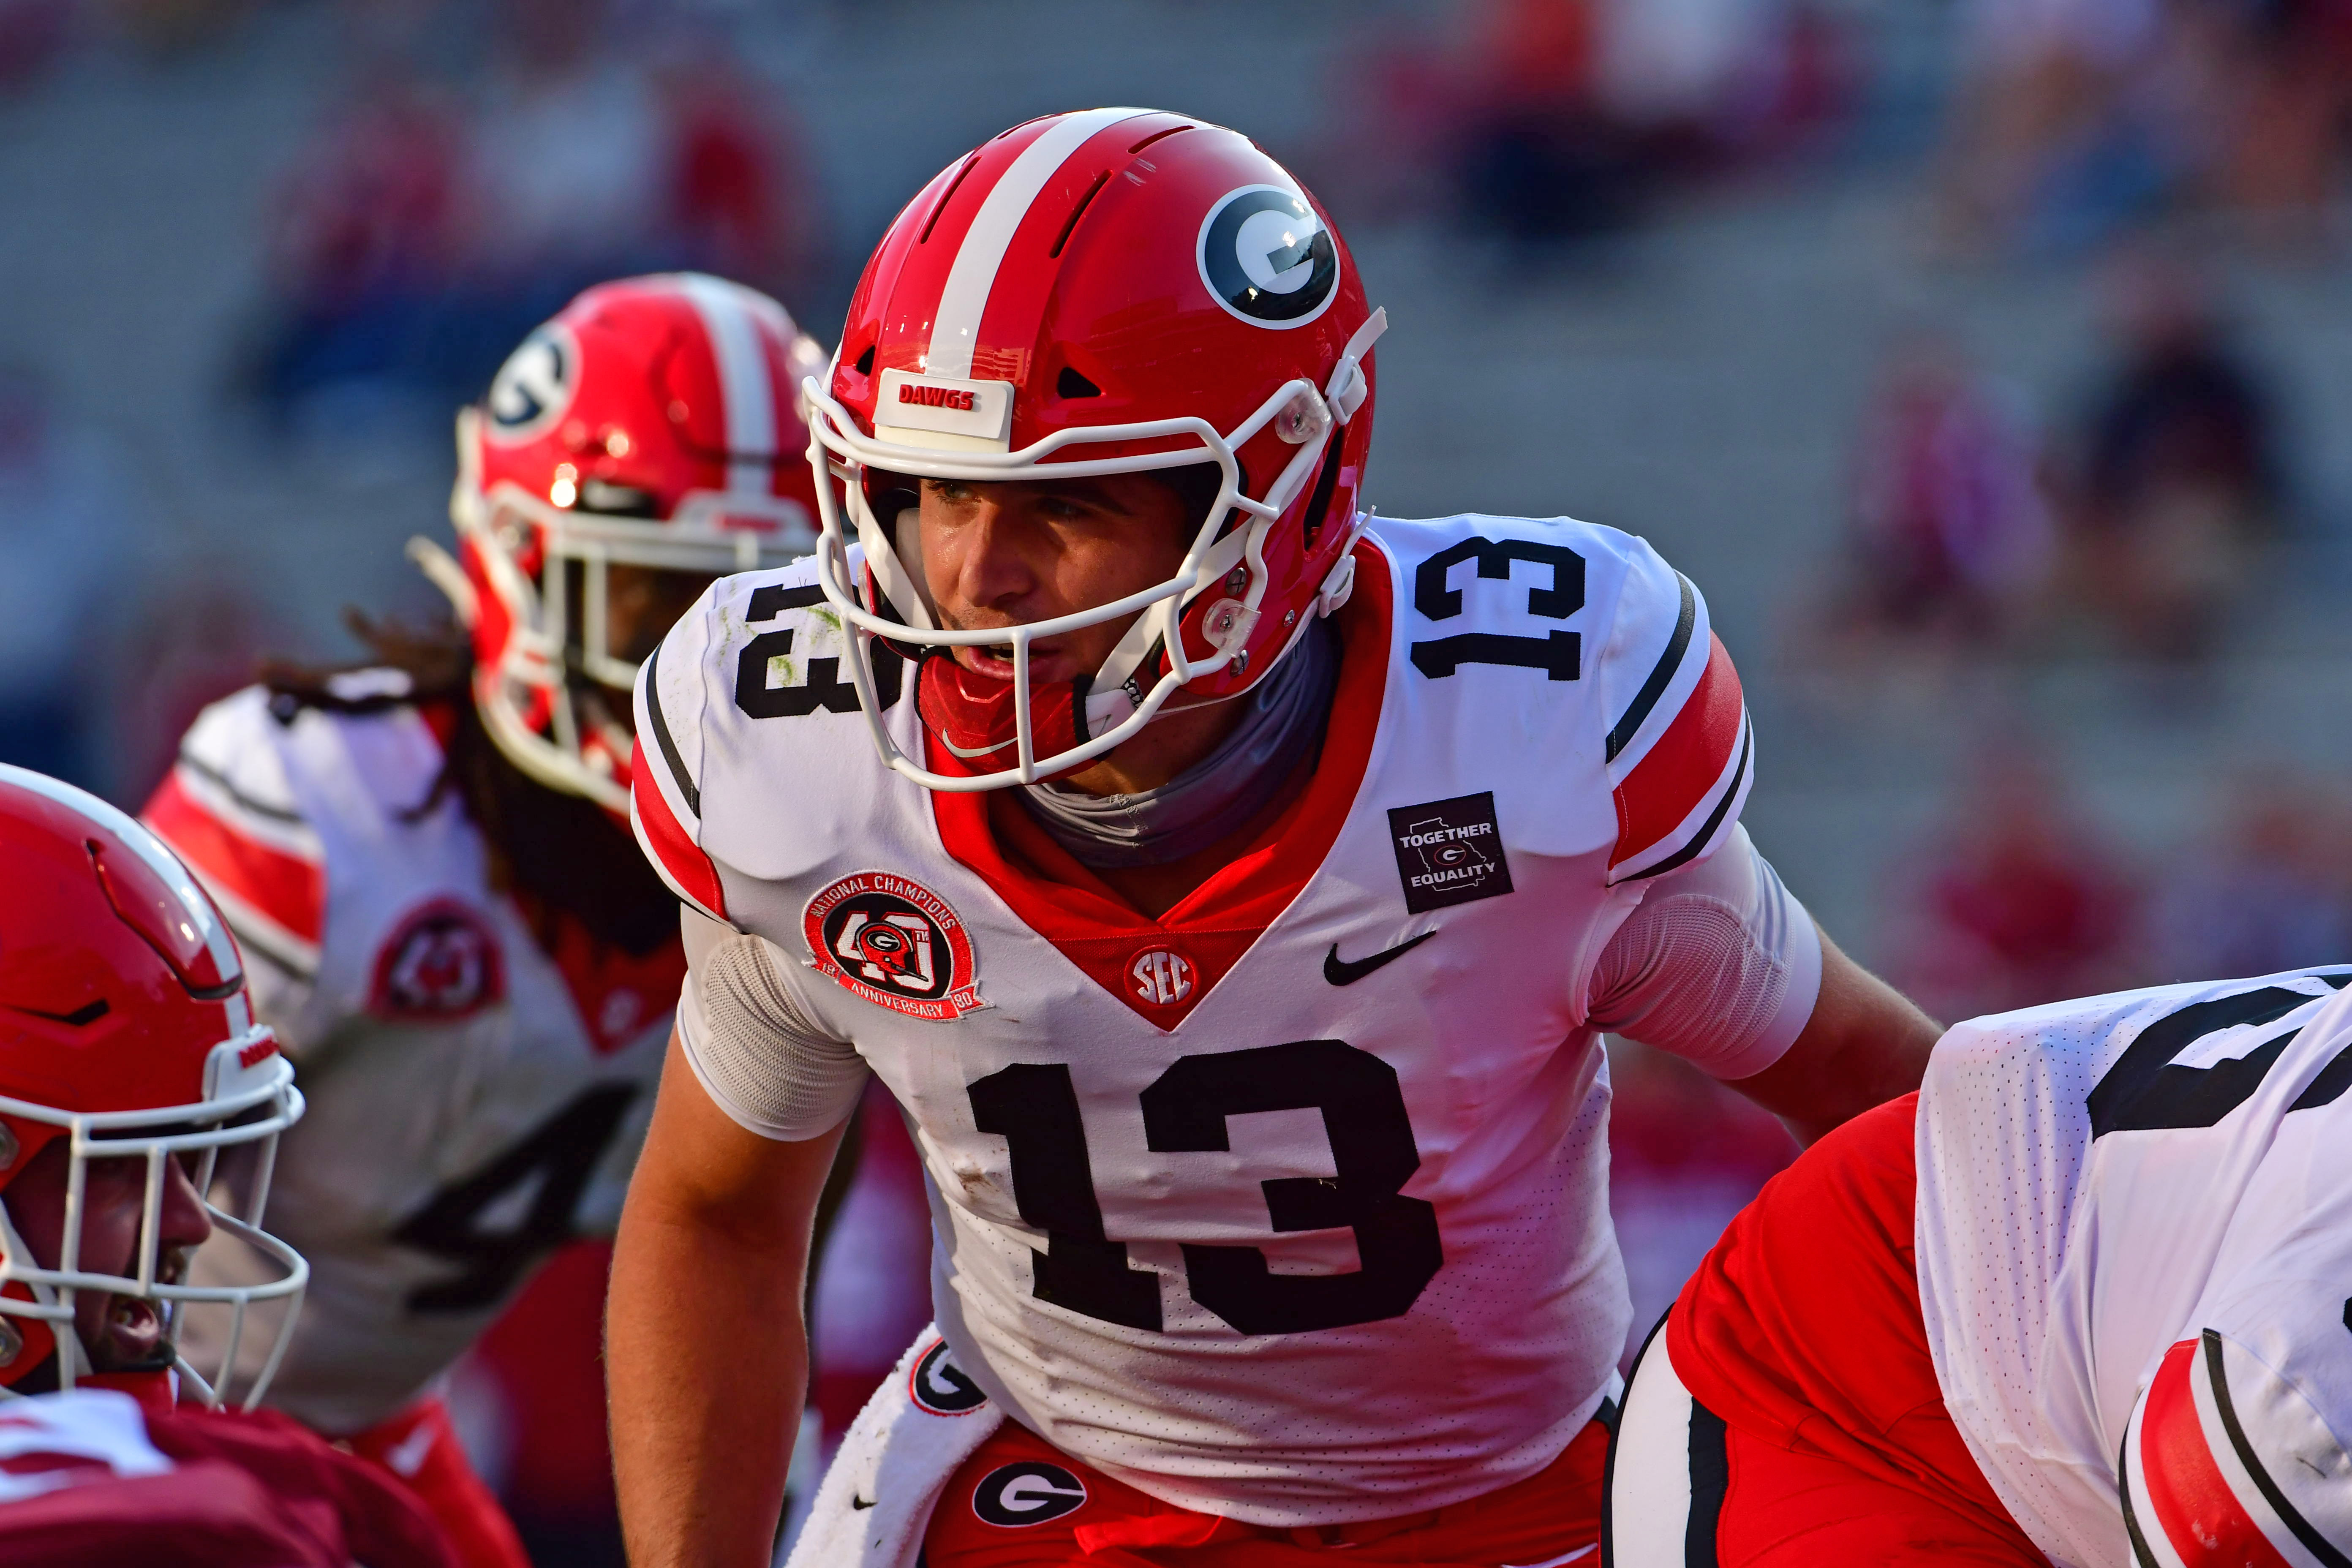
(654, 425)
(124, 1029)
(1103, 292)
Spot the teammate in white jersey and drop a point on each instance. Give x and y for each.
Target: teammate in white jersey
(1232, 890)
(2083, 1300)
(450, 928)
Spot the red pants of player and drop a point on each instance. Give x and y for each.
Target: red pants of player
(1787, 1411)
(420, 1448)
(1019, 1502)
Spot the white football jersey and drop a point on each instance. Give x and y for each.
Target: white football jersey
(2102, 1181)
(474, 1099)
(1291, 1203)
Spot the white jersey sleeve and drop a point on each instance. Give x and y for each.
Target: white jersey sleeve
(2101, 1182)
(1721, 965)
(1679, 752)
(229, 810)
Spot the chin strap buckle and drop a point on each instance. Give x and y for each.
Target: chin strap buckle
(1349, 385)
(1342, 583)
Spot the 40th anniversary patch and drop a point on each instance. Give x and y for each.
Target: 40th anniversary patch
(895, 943)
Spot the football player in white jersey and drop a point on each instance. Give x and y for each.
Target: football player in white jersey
(1232, 888)
(2084, 1300)
(449, 926)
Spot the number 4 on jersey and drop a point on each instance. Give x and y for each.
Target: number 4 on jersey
(474, 1222)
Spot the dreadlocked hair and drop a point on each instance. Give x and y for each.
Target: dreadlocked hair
(562, 849)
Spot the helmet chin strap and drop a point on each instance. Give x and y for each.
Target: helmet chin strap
(1343, 396)
(73, 1359)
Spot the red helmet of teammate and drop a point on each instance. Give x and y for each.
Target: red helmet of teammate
(124, 1030)
(1108, 292)
(652, 427)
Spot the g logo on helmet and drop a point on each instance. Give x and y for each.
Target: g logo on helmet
(535, 385)
(1267, 258)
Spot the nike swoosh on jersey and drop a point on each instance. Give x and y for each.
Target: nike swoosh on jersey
(1347, 972)
(856, 1502)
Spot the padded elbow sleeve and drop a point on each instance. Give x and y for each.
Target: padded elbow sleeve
(753, 1051)
(1721, 965)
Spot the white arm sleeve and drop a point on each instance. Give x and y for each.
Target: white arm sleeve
(1721, 965)
(762, 1062)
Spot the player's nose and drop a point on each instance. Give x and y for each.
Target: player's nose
(182, 1221)
(995, 570)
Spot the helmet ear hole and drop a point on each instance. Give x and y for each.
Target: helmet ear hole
(1072, 384)
(1196, 485)
(1319, 502)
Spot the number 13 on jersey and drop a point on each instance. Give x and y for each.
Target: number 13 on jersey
(1034, 1109)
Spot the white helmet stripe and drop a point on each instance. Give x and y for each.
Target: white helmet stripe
(955, 325)
(744, 382)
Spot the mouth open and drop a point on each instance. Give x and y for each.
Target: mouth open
(132, 1337)
(996, 662)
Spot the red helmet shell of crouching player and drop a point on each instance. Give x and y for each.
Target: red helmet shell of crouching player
(129, 1065)
(128, 1060)
(1110, 291)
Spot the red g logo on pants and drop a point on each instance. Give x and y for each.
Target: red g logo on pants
(1030, 1492)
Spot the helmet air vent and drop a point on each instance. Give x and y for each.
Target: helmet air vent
(945, 196)
(149, 905)
(1158, 136)
(1063, 238)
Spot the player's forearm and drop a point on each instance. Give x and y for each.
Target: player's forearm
(706, 1362)
(1864, 1045)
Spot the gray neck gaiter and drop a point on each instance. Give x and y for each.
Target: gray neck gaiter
(1286, 714)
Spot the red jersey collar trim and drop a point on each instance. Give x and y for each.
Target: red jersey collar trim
(1094, 928)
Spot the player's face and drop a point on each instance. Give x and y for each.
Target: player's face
(121, 1333)
(641, 603)
(998, 554)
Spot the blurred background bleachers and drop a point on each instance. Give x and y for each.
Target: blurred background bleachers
(1987, 362)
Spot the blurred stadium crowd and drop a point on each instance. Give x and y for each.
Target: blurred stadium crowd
(2060, 542)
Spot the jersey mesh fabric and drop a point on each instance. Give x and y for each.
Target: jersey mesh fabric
(1721, 965)
(770, 1070)
(448, 1036)
(2101, 1179)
